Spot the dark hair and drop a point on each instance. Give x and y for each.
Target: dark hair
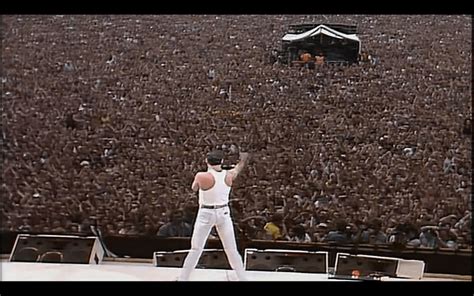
(176, 214)
(215, 157)
(299, 230)
(341, 225)
(277, 217)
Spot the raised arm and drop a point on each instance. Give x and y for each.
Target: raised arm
(240, 166)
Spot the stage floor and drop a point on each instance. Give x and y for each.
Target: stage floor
(145, 271)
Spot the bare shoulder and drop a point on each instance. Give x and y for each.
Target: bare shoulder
(230, 172)
(229, 177)
(205, 179)
(204, 176)
(200, 174)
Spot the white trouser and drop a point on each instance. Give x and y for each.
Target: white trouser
(205, 220)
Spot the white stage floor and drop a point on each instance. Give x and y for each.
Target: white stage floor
(144, 271)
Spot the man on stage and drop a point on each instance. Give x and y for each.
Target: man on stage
(214, 188)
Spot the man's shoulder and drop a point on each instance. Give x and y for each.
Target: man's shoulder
(203, 174)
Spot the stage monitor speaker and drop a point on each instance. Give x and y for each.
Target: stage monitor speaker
(377, 266)
(412, 269)
(286, 260)
(57, 249)
(210, 258)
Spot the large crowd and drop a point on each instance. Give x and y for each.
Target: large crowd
(106, 119)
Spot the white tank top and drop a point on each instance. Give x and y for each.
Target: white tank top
(217, 194)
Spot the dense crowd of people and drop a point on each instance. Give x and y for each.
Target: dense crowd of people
(105, 120)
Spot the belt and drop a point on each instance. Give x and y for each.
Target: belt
(213, 207)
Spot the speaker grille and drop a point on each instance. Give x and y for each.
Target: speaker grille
(45, 248)
(210, 259)
(290, 261)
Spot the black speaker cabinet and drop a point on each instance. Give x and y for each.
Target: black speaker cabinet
(57, 249)
(286, 260)
(377, 266)
(210, 258)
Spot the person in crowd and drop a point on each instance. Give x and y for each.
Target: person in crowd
(177, 227)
